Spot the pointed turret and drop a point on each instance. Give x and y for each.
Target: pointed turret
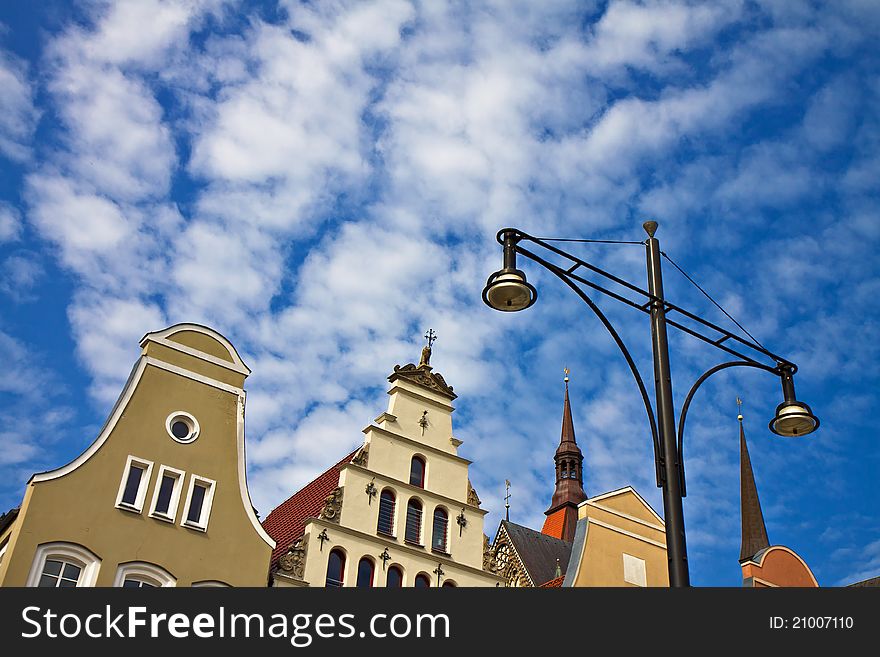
(754, 531)
(562, 514)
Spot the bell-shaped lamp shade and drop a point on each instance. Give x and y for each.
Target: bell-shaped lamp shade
(793, 419)
(507, 290)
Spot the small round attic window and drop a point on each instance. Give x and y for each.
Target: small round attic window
(182, 427)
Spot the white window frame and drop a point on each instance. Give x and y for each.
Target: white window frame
(87, 560)
(421, 538)
(174, 502)
(202, 524)
(447, 536)
(147, 466)
(187, 418)
(145, 572)
(210, 583)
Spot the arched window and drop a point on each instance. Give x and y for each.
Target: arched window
(138, 574)
(413, 522)
(441, 522)
(212, 583)
(422, 581)
(63, 565)
(386, 513)
(335, 568)
(395, 578)
(449, 583)
(365, 573)
(417, 472)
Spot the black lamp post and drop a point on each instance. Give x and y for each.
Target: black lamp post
(507, 290)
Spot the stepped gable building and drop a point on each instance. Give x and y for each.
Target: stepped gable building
(613, 539)
(763, 565)
(160, 497)
(399, 511)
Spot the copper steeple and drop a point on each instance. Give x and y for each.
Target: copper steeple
(562, 514)
(754, 532)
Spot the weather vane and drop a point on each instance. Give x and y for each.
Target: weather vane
(567, 371)
(507, 499)
(739, 405)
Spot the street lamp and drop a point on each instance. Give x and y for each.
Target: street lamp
(508, 290)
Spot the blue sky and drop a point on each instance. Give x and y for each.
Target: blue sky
(322, 182)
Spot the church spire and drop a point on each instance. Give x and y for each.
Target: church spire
(562, 514)
(754, 532)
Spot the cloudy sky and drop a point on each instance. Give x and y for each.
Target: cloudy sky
(322, 182)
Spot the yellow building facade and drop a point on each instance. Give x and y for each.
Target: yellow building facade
(619, 541)
(397, 512)
(160, 497)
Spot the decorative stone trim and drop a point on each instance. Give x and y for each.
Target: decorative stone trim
(362, 457)
(423, 376)
(294, 562)
(332, 506)
(489, 564)
(472, 498)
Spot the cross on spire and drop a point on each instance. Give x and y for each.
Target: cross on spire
(430, 336)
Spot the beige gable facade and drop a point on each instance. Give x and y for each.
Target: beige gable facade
(160, 498)
(620, 541)
(416, 425)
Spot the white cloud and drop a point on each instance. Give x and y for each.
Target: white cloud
(123, 38)
(10, 223)
(18, 117)
(647, 35)
(34, 416)
(81, 223)
(106, 330)
(116, 139)
(831, 113)
(20, 273)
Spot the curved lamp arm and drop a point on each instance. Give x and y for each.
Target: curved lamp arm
(561, 274)
(687, 402)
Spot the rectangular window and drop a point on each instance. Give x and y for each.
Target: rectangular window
(166, 496)
(634, 571)
(413, 532)
(195, 503)
(133, 487)
(199, 499)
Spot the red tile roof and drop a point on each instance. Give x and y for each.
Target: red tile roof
(553, 583)
(287, 522)
(554, 524)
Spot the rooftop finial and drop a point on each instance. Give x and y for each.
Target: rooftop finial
(650, 227)
(739, 405)
(566, 370)
(425, 360)
(507, 500)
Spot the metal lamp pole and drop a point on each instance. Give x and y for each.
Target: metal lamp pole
(676, 548)
(508, 290)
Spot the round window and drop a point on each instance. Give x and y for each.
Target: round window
(182, 427)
